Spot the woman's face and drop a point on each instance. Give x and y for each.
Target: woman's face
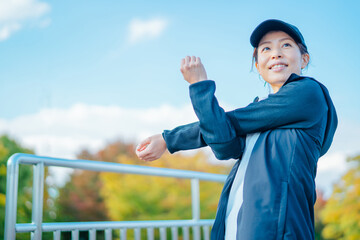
(278, 57)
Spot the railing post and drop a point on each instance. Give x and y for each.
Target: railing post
(185, 232)
(57, 235)
(206, 230)
(163, 233)
(137, 233)
(37, 200)
(75, 234)
(92, 234)
(150, 233)
(12, 179)
(123, 234)
(195, 200)
(108, 234)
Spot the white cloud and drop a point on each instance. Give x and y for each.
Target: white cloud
(8, 29)
(331, 167)
(15, 13)
(62, 132)
(140, 30)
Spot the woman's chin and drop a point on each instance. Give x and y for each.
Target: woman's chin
(278, 80)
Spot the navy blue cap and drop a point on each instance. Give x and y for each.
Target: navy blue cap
(275, 25)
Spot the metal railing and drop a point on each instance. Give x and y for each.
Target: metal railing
(37, 226)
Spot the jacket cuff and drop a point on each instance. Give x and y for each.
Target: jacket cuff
(200, 88)
(169, 146)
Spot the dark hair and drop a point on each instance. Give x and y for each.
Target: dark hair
(302, 48)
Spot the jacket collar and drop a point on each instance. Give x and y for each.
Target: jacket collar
(293, 77)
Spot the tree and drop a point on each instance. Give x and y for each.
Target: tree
(80, 199)
(136, 197)
(131, 197)
(8, 147)
(318, 208)
(139, 197)
(342, 211)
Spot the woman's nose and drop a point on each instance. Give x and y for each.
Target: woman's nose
(276, 54)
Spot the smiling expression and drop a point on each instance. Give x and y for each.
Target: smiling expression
(278, 56)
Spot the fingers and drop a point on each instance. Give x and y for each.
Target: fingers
(144, 150)
(144, 154)
(182, 65)
(192, 69)
(151, 148)
(147, 154)
(182, 62)
(143, 145)
(198, 60)
(188, 62)
(140, 149)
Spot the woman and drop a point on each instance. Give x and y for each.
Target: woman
(270, 192)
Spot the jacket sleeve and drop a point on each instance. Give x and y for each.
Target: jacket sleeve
(189, 136)
(184, 137)
(298, 104)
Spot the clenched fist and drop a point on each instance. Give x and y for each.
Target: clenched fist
(192, 69)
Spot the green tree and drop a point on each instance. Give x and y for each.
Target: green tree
(342, 211)
(8, 147)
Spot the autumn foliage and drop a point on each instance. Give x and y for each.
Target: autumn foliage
(341, 214)
(101, 196)
(93, 196)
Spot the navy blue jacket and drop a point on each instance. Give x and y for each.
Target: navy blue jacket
(297, 125)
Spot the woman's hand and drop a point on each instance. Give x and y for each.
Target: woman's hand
(151, 148)
(192, 69)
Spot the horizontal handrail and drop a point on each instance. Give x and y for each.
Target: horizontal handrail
(22, 158)
(85, 226)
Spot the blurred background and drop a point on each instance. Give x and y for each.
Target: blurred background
(90, 79)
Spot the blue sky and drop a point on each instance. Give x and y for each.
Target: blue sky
(83, 54)
(69, 55)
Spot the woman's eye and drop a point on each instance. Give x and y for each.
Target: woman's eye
(265, 49)
(287, 45)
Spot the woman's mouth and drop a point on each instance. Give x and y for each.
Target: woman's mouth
(278, 67)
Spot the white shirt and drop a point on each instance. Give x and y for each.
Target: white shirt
(236, 191)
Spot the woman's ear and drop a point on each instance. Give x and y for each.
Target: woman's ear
(257, 67)
(305, 60)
